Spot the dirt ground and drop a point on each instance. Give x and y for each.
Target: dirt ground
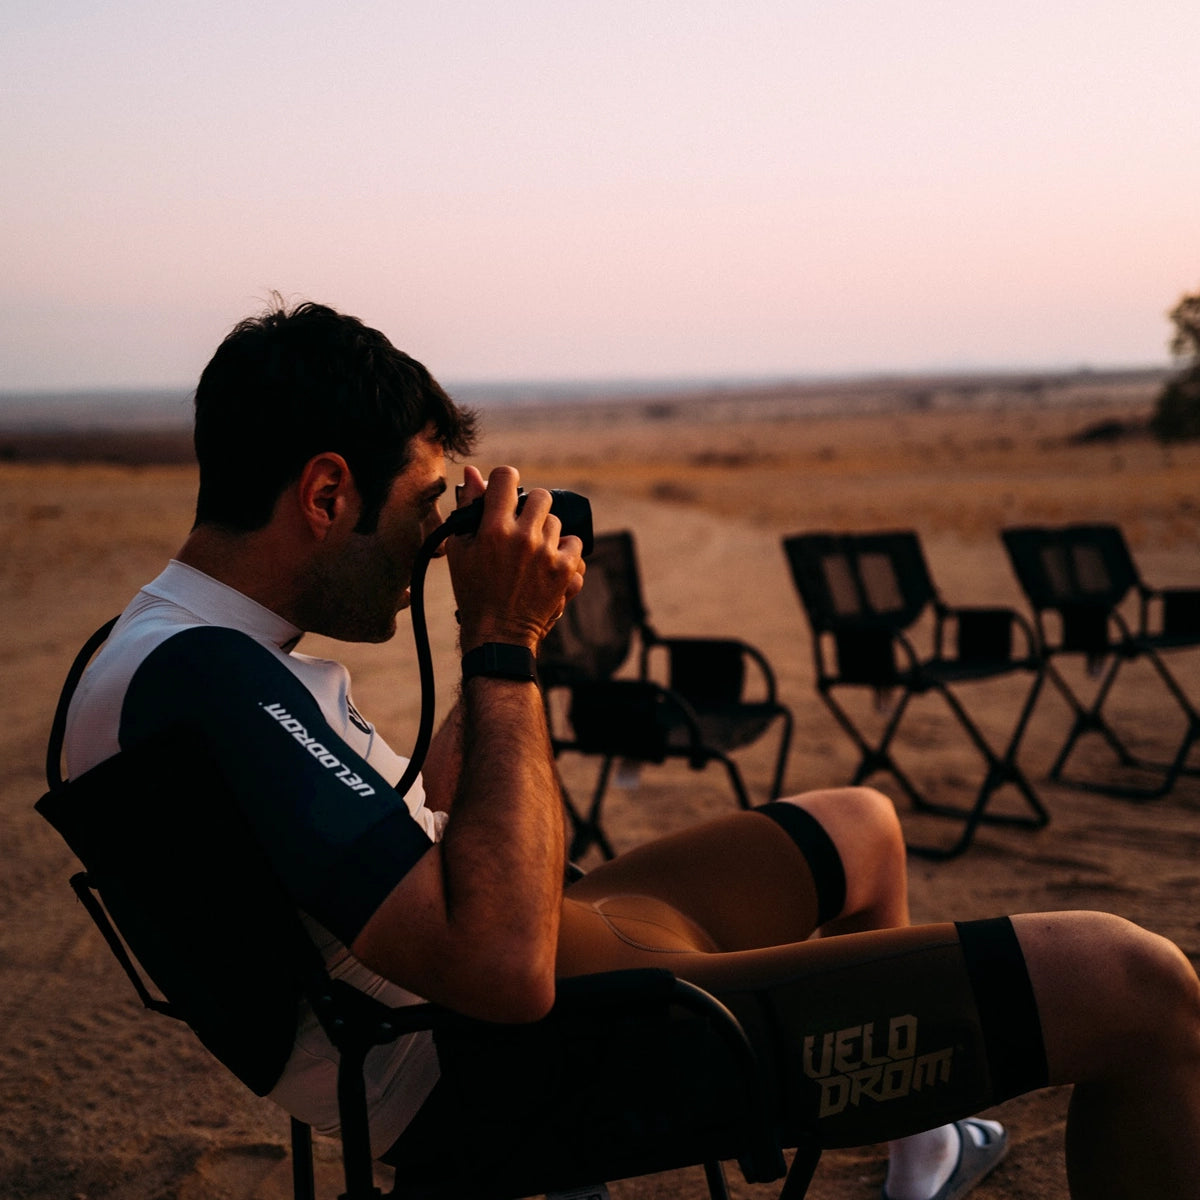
(101, 1100)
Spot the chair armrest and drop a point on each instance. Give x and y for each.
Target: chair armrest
(907, 649)
(603, 994)
(1178, 611)
(985, 632)
(605, 990)
(709, 667)
(600, 992)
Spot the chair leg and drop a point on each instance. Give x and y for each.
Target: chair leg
(1000, 770)
(976, 816)
(357, 1162)
(303, 1184)
(800, 1174)
(714, 1175)
(1170, 773)
(1089, 720)
(736, 781)
(1177, 766)
(587, 831)
(877, 758)
(785, 744)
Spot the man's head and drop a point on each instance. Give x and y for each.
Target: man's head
(288, 385)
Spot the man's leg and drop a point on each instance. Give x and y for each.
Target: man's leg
(1120, 1012)
(747, 881)
(745, 886)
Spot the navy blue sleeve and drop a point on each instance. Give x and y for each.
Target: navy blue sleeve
(337, 833)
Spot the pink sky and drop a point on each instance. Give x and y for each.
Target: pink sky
(544, 190)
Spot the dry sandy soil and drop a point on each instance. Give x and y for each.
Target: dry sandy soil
(102, 1100)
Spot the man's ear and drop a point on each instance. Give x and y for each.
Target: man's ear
(327, 494)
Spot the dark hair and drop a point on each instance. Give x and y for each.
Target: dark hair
(287, 385)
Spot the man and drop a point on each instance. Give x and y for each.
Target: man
(322, 465)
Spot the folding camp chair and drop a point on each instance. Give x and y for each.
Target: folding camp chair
(692, 698)
(189, 904)
(863, 594)
(1082, 575)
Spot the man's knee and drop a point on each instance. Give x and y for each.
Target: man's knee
(860, 820)
(1109, 989)
(1158, 975)
(874, 812)
(865, 830)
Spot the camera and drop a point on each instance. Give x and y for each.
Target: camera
(575, 513)
(572, 509)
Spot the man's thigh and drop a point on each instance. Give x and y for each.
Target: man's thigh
(869, 1035)
(741, 879)
(881, 1034)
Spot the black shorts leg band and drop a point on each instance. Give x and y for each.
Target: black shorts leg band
(819, 852)
(1008, 1015)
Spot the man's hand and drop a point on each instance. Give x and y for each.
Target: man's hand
(514, 575)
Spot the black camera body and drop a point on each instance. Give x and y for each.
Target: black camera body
(572, 509)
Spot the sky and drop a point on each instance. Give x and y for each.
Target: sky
(559, 189)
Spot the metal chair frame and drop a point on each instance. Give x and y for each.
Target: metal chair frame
(863, 594)
(1077, 579)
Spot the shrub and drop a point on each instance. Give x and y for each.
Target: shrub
(1177, 413)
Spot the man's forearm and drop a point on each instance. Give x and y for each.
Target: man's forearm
(503, 853)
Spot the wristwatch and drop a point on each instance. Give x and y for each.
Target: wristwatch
(500, 660)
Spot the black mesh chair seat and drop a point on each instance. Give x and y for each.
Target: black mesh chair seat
(630, 694)
(932, 675)
(641, 721)
(1080, 580)
(731, 725)
(863, 594)
(1166, 641)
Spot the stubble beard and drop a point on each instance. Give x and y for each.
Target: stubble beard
(354, 599)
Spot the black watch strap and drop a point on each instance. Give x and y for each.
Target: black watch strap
(500, 660)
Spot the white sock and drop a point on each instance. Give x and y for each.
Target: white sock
(920, 1164)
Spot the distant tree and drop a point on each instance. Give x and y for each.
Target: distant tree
(1177, 414)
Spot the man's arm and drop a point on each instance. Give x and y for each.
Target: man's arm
(474, 923)
(442, 768)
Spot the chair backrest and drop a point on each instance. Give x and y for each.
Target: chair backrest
(860, 581)
(186, 885)
(863, 588)
(1071, 565)
(596, 632)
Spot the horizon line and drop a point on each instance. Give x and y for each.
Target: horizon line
(626, 382)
